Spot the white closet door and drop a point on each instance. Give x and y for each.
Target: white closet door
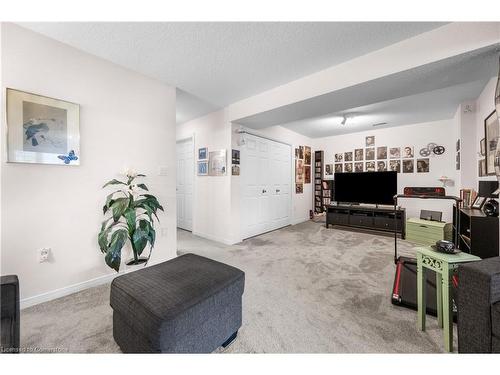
(265, 185)
(185, 174)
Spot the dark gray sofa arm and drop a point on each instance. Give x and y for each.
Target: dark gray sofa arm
(478, 291)
(9, 314)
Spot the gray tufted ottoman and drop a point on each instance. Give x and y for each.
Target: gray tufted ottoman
(189, 304)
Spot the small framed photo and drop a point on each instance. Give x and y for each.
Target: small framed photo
(478, 202)
(370, 141)
(203, 168)
(42, 130)
(482, 145)
(203, 153)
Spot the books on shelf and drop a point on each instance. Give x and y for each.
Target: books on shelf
(467, 196)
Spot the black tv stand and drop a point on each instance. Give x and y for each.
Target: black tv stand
(376, 218)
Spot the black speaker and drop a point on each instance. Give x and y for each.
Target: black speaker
(486, 189)
(490, 208)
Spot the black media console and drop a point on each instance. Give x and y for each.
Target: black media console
(366, 217)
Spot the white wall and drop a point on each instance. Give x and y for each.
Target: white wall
(126, 119)
(418, 135)
(211, 198)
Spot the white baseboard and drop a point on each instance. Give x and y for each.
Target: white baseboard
(61, 292)
(210, 237)
(300, 220)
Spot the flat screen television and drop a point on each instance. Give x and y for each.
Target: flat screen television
(367, 187)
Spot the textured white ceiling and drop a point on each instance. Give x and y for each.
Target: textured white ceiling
(426, 93)
(216, 64)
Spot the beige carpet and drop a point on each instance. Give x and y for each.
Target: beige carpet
(308, 290)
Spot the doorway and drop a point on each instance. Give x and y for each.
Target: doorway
(184, 188)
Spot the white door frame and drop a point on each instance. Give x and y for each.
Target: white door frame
(243, 236)
(195, 158)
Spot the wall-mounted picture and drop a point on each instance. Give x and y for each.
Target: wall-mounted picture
(492, 132)
(348, 167)
(299, 171)
(382, 152)
(457, 161)
(370, 166)
(458, 145)
(217, 163)
(203, 168)
(297, 153)
(235, 156)
(394, 152)
(359, 154)
(482, 167)
(358, 167)
(370, 153)
(307, 174)
(370, 141)
(348, 156)
(339, 158)
(301, 152)
(235, 170)
(307, 155)
(339, 168)
(329, 170)
(407, 152)
(42, 130)
(408, 166)
(423, 165)
(299, 188)
(482, 147)
(203, 153)
(381, 166)
(395, 165)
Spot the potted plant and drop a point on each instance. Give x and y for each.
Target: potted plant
(129, 216)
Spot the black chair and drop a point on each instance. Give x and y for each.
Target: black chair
(9, 314)
(479, 306)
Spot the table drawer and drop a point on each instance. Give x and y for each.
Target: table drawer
(361, 221)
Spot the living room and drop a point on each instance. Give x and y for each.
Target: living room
(182, 187)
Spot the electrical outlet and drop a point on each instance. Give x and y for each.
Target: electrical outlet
(43, 254)
(162, 170)
(163, 232)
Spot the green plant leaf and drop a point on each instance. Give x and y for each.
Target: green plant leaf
(118, 207)
(141, 236)
(130, 216)
(113, 254)
(143, 187)
(152, 236)
(102, 237)
(114, 181)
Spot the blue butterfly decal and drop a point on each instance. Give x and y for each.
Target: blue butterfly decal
(68, 159)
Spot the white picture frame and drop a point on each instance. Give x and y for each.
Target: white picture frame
(42, 130)
(217, 163)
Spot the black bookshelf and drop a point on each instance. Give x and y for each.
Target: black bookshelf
(478, 233)
(323, 189)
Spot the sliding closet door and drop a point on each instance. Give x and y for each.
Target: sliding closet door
(265, 185)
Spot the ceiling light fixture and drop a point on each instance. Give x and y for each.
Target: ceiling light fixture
(344, 120)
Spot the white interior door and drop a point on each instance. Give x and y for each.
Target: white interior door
(185, 174)
(265, 185)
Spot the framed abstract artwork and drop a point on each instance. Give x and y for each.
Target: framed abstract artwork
(203, 153)
(42, 130)
(203, 168)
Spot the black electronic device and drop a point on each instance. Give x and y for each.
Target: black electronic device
(425, 191)
(368, 187)
(490, 208)
(431, 215)
(487, 188)
(444, 246)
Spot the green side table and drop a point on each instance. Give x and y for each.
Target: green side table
(444, 265)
